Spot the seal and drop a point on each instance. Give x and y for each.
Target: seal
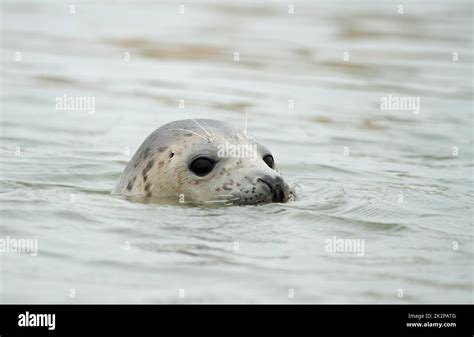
(203, 161)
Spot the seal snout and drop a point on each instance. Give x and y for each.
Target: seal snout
(276, 186)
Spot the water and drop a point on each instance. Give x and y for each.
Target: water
(390, 178)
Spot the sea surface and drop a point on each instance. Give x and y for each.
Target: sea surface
(319, 82)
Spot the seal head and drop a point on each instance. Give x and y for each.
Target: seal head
(203, 161)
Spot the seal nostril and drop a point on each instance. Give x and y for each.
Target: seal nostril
(278, 193)
(276, 187)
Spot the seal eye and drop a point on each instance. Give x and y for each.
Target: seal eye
(269, 160)
(202, 166)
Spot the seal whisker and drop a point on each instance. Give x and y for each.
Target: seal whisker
(212, 132)
(197, 134)
(210, 137)
(222, 201)
(245, 127)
